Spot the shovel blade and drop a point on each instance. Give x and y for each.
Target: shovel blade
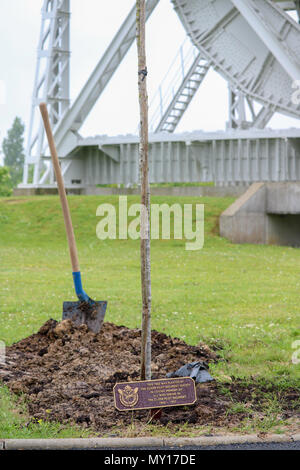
(84, 313)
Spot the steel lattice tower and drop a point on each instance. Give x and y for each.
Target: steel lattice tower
(52, 79)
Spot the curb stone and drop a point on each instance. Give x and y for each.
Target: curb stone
(115, 443)
(90, 443)
(277, 438)
(224, 440)
(210, 441)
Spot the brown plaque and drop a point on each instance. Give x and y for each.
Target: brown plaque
(154, 394)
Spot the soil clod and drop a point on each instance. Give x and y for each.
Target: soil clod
(67, 373)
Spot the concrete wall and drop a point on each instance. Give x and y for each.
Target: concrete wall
(194, 191)
(283, 198)
(283, 229)
(268, 213)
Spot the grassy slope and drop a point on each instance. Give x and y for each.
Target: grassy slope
(242, 297)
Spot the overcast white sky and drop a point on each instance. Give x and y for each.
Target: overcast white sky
(93, 24)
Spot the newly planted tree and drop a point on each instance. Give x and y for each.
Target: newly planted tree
(145, 192)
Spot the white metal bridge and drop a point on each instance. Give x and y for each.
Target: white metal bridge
(253, 44)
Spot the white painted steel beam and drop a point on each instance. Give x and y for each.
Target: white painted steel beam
(250, 9)
(237, 157)
(286, 5)
(253, 44)
(238, 118)
(106, 67)
(51, 82)
(244, 54)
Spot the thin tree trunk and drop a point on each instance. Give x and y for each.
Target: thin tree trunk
(145, 193)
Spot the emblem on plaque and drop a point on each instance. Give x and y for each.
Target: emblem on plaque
(128, 395)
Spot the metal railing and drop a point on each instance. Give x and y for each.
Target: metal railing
(171, 82)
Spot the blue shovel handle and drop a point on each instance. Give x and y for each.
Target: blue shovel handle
(82, 296)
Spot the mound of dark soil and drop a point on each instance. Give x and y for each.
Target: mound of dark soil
(67, 373)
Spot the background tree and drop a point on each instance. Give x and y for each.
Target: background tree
(13, 150)
(5, 182)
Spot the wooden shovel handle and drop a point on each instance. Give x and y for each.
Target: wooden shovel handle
(61, 189)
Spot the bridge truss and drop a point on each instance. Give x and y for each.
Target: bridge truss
(254, 45)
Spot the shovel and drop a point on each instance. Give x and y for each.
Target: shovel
(86, 310)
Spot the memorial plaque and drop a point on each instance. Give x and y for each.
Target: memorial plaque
(154, 394)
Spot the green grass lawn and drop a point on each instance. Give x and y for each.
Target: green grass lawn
(242, 298)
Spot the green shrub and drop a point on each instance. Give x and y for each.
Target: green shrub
(5, 182)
